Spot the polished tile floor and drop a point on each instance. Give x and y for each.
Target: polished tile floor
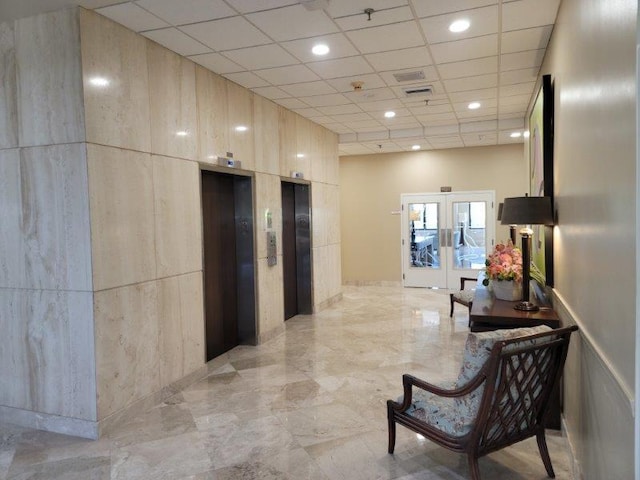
(309, 404)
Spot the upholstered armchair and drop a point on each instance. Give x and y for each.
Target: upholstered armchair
(501, 395)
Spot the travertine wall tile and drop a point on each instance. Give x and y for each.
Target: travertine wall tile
(333, 213)
(12, 257)
(331, 157)
(122, 219)
(268, 196)
(50, 109)
(48, 365)
(172, 96)
(117, 113)
(178, 221)
(317, 157)
(8, 88)
(304, 152)
(320, 275)
(127, 350)
(240, 108)
(287, 136)
(267, 144)
(271, 297)
(213, 115)
(319, 214)
(55, 217)
(181, 326)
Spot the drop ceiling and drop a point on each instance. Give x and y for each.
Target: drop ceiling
(265, 46)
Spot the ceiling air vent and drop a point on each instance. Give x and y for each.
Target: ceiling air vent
(423, 90)
(409, 76)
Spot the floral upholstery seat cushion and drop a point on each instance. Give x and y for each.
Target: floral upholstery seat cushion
(455, 416)
(465, 296)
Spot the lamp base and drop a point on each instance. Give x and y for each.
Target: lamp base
(526, 307)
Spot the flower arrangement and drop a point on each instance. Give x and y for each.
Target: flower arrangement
(505, 263)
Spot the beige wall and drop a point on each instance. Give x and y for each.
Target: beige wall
(592, 61)
(370, 188)
(101, 283)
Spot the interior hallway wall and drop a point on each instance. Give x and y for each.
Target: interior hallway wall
(371, 185)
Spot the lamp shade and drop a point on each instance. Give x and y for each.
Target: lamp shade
(527, 211)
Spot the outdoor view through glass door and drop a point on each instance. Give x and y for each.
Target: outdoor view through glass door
(445, 236)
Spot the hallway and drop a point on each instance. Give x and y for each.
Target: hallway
(309, 404)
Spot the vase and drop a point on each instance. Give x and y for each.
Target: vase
(507, 290)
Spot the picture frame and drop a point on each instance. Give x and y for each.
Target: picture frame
(541, 172)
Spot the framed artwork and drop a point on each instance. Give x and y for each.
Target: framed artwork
(541, 172)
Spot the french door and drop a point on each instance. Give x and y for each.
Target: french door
(445, 236)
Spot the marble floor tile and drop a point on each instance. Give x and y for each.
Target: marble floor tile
(306, 405)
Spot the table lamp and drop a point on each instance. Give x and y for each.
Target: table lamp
(526, 211)
(512, 228)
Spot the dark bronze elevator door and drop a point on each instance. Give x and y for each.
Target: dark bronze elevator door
(220, 282)
(289, 251)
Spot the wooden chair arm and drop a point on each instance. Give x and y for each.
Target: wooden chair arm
(465, 279)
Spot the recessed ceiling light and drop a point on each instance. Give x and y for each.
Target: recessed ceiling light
(241, 128)
(473, 105)
(526, 134)
(515, 135)
(389, 114)
(459, 25)
(182, 133)
(320, 49)
(99, 82)
(300, 155)
(415, 147)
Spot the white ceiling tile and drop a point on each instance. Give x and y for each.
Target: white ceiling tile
(427, 8)
(91, 4)
(340, 109)
(520, 60)
(216, 63)
(446, 141)
(468, 68)
(365, 125)
(325, 100)
(374, 135)
(400, 59)
(404, 133)
(187, 11)
(505, 137)
(341, 67)
(442, 130)
(519, 76)
(351, 117)
(382, 105)
(262, 56)
(287, 75)
(387, 37)
(485, 126)
(511, 123)
(478, 139)
(480, 114)
(517, 89)
(338, 43)
(353, 149)
(484, 21)
(290, 23)
(515, 109)
(323, 119)
(348, 138)
(338, 128)
(132, 16)
(308, 112)
(226, 34)
(272, 93)
(382, 17)
(431, 109)
(402, 123)
(177, 41)
(515, 100)
(339, 8)
(246, 79)
(528, 13)
(373, 95)
(529, 39)
(307, 89)
(485, 105)
(471, 83)
(430, 75)
(372, 85)
(436, 119)
(486, 46)
(248, 6)
(291, 103)
(474, 95)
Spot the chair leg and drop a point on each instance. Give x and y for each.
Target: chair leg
(392, 429)
(544, 453)
(474, 470)
(451, 298)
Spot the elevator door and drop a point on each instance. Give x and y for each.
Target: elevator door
(296, 249)
(229, 292)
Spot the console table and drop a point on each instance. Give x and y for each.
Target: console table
(489, 313)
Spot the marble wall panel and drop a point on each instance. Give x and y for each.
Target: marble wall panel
(287, 137)
(321, 275)
(270, 297)
(127, 349)
(12, 257)
(319, 214)
(332, 158)
(117, 114)
(50, 103)
(8, 88)
(213, 115)
(181, 326)
(172, 97)
(55, 217)
(304, 150)
(333, 213)
(267, 144)
(268, 196)
(318, 160)
(241, 143)
(334, 283)
(122, 220)
(49, 364)
(178, 219)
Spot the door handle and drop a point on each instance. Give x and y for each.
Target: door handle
(449, 237)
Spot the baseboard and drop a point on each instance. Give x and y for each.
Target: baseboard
(373, 283)
(327, 303)
(576, 469)
(51, 423)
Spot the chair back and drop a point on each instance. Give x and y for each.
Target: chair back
(521, 375)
